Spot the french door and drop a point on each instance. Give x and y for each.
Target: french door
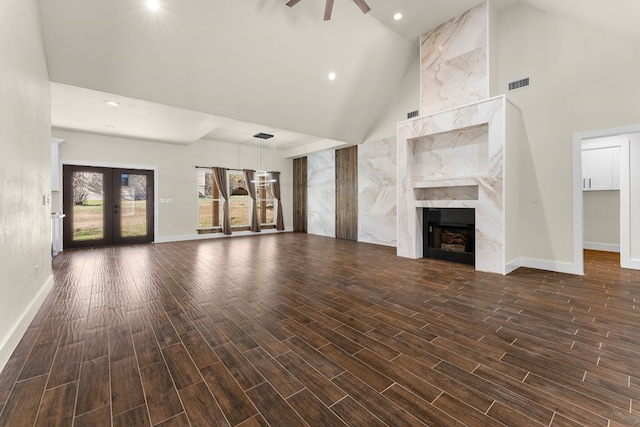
(106, 206)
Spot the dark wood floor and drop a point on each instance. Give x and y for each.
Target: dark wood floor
(296, 330)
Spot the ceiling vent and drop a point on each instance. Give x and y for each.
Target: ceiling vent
(519, 84)
(263, 135)
(412, 114)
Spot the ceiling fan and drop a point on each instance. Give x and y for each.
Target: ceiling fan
(329, 7)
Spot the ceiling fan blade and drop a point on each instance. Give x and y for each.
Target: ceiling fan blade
(327, 10)
(292, 3)
(363, 6)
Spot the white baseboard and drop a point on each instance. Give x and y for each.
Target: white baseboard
(601, 247)
(541, 264)
(633, 264)
(512, 266)
(185, 237)
(10, 342)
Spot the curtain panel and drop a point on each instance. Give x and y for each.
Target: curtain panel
(276, 193)
(249, 177)
(220, 176)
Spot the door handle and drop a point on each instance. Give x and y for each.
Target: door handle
(583, 183)
(589, 182)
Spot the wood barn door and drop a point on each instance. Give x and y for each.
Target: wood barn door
(347, 193)
(300, 194)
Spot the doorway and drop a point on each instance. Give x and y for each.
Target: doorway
(107, 206)
(627, 134)
(601, 160)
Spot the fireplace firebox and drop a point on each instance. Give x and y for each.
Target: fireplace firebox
(449, 234)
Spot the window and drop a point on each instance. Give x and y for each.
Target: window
(239, 199)
(265, 200)
(209, 201)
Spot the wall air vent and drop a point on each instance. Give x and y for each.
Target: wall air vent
(518, 84)
(262, 135)
(412, 114)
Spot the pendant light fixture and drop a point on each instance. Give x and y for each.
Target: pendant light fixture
(262, 177)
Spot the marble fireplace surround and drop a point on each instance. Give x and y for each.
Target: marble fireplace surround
(454, 159)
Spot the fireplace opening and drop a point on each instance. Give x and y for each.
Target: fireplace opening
(449, 234)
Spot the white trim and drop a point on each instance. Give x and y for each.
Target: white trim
(108, 165)
(512, 266)
(186, 237)
(156, 195)
(578, 231)
(15, 334)
(633, 264)
(625, 204)
(601, 247)
(606, 142)
(541, 264)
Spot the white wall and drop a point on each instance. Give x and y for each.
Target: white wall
(405, 99)
(581, 79)
(515, 138)
(176, 177)
(25, 222)
(601, 220)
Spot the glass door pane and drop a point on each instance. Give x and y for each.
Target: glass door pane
(88, 206)
(133, 205)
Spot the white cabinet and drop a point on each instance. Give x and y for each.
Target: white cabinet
(601, 169)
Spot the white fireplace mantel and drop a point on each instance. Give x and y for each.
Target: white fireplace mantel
(456, 159)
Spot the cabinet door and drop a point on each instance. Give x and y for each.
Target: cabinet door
(601, 169)
(585, 171)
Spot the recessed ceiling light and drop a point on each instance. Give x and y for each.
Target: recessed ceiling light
(112, 103)
(153, 5)
(397, 16)
(332, 76)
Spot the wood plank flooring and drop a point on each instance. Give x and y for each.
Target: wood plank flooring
(300, 330)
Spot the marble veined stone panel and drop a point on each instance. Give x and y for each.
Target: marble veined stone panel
(451, 154)
(321, 194)
(377, 192)
(454, 62)
(456, 192)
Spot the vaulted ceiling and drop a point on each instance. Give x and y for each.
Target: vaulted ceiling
(220, 69)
